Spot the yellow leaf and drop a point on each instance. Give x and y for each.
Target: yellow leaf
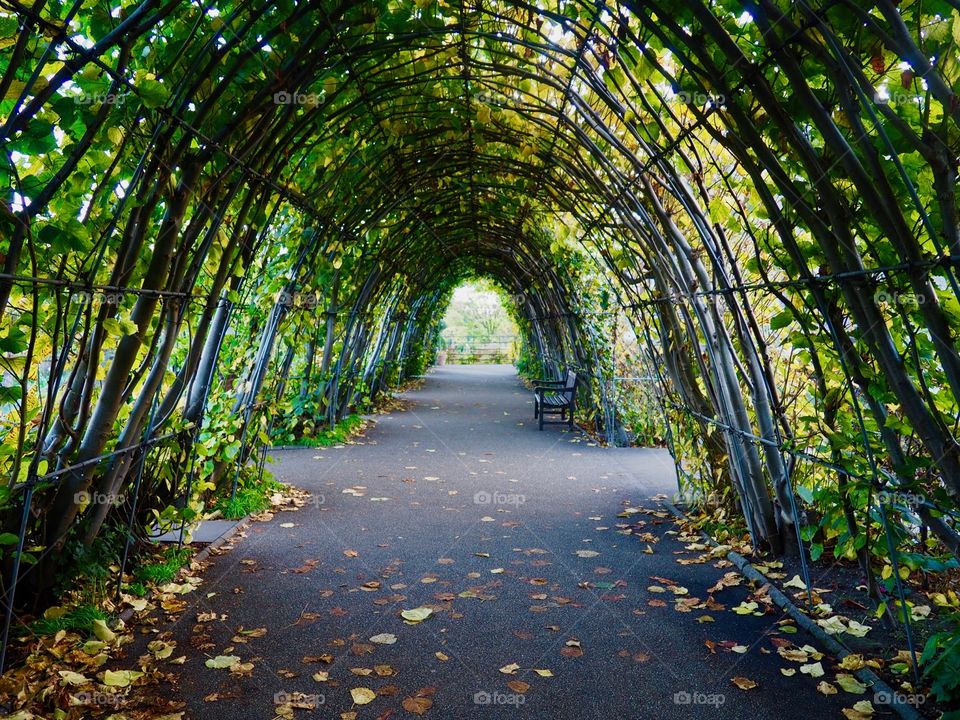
(102, 632)
(416, 615)
(73, 678)
(509, 669)
(743, 683)
(120, 678)
(850, 684)
(362, 695)
(222, 661)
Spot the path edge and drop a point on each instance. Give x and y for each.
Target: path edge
(201, 555)
(832, 645)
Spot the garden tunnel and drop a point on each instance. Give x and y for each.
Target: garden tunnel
(228, 225)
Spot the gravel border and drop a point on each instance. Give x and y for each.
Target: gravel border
(831, 644)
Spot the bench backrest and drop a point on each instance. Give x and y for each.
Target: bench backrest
(569, 385)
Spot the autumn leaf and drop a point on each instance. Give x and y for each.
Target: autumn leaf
(121, 678)
(416, 615)
(518, 686)
(222, 661)
(384, 639)
(73, 678)
(743, 683)
(850, 684)
(362, 695)
(509, 669)
(417, 705)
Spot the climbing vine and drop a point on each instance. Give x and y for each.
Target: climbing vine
(229, 223)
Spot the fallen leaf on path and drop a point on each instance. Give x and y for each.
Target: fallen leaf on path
(416, 615)
(743, 683)
(222, 661)
(362, 695)
(384, 639)
(417, 705)
(795, 582)
(850, 684)
(509, 669)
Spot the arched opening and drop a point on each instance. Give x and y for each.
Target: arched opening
(477, 327)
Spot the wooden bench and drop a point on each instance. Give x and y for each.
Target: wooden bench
(555, 397)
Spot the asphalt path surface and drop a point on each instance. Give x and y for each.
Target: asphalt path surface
(511, 536)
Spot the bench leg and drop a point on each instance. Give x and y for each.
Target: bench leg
(541, 420)
(570, 419)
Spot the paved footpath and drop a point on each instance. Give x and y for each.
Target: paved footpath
(511, 537)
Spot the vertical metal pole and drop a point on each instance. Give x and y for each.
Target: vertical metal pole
(10, 596)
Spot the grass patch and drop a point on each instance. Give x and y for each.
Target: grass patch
(162, 570)
(249, 500)
(337, 435)
(78, 619)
